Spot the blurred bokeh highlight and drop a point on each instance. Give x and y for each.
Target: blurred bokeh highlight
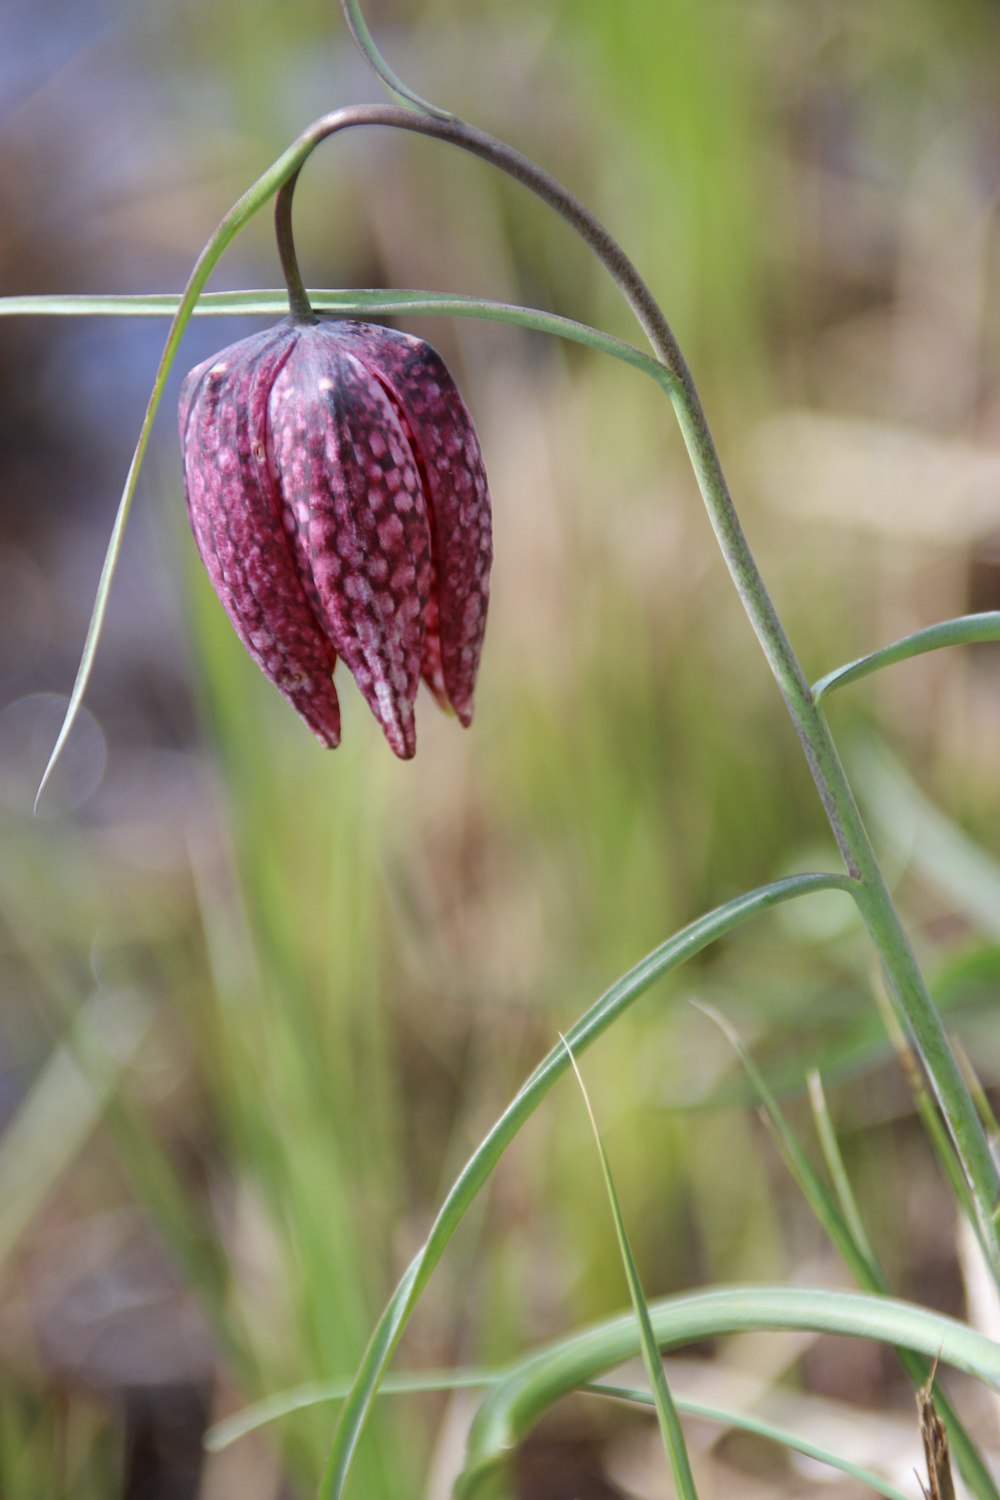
(258, 1001)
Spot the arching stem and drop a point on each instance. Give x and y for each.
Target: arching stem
(906, 984)
(299, 306)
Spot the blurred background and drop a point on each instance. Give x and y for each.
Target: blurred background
(260, 1001)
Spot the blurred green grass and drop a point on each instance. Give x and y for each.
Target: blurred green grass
(351, 964)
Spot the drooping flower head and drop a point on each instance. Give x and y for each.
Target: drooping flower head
(338, 497)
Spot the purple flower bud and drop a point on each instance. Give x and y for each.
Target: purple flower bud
(338, 498)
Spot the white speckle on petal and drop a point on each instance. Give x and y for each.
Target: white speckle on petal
(383, 694)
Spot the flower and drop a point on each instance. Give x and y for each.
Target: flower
(338, 498)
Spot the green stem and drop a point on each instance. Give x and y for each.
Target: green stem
(874, 901)
(875, 905)
(352, 303)
(671, 1431)
(906, 983)
(299, 306)
(478, 143)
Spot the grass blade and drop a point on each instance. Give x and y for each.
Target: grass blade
(760, 1428)
(365, 43)
(283, 1403)
(513, 1407)
(854, 1249)
(980, 1096)
(811, 1185)
(229, 227)
(319, 1392)
(830, 1147)
(668, 956)
(666, 1413)
(348, 304)
(966, 630)
(182, 309)
(65, 1104)
(927, 1109)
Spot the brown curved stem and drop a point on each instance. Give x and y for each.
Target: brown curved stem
(540, 182)
(299, 306)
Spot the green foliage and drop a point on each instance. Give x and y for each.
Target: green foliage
(346, 974)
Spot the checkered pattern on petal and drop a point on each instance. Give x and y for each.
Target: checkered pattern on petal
(354, 504)
(458, 500)
(237, 519)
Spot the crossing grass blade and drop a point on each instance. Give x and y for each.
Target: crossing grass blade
(591, 1025)
(350, 303)
(666, 1412)
(854, 1248)
(759, 1428)
(830, 1147)
(513, 1406)
(283, 1403)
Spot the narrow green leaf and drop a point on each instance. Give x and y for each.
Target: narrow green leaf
(513, 1406)
(930, 1115)
(238, 216)
(666, 1413)
(917, 830)
(283, 1403)
(670, 955)
(761, 1428)
(979, 1094)
(966, 630)
(810, 1184)
(182, 309)
(855, 1249)
(319, 1392)
(349, 304)
(830, 1147)
(64, 1105)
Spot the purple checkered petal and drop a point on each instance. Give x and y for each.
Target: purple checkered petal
(355, 509)
(236, 515)
(454, 477)
(339, 501)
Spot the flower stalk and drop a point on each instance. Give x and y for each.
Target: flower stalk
(907, 987)
(906, 984)
(299, 307)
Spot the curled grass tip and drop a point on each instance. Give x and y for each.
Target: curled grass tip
(365, 43)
